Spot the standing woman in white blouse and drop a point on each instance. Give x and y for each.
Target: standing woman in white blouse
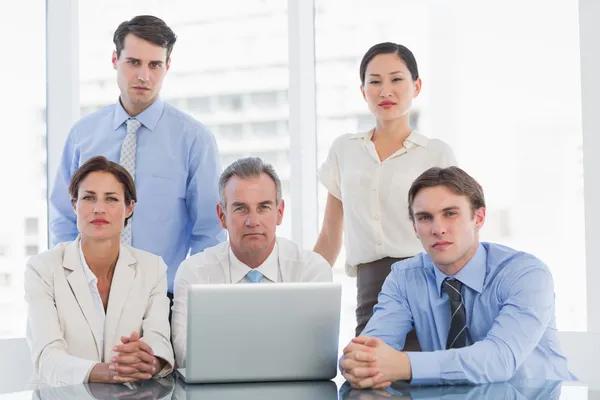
(368, 176)
(98, 309)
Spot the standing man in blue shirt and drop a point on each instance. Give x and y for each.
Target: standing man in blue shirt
(173, 158)
(482, 312)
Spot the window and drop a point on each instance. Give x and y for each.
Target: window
(230, 102)
(22, 154)
(31, 250)
(31, 225)
(200, 105)
(5, 280)
(264, 100)
(230, 131)
(266, 129)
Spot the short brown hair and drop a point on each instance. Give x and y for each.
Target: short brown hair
(455, 179)
(101, 164)
(149, 28)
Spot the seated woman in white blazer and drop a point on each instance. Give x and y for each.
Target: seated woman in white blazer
(98, 308)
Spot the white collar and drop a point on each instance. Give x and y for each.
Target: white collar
(86, 268)
(269, 268)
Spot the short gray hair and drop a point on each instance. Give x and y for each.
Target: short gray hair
(246, 168)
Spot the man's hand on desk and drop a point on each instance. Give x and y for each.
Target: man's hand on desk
(135, 361)
(370, 363)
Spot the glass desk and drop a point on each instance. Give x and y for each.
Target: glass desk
(173, 387)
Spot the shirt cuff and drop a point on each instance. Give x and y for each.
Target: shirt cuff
(425, 368)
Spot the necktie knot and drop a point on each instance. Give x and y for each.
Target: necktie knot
(133, 125)
(254, 276)
(453, 288)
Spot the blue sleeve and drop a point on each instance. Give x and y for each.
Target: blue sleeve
(526, 296)
(63, 222)
(392, 318)
(203, 194)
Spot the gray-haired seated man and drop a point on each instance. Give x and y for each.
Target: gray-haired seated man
(250, 209)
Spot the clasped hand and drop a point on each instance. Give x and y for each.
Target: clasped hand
(370, 363)
(135, 360)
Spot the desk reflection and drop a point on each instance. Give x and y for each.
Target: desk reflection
(313, 390)
(547, 390)
(150, 389)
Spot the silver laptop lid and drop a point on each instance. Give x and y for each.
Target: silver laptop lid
(263, 332)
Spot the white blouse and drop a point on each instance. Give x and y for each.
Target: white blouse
(374, 193)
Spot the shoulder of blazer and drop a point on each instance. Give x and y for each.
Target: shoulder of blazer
(149, 262)
(49, 259)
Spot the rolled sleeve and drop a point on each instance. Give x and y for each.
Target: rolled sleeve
(329, 172)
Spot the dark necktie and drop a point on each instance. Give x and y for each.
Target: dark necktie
(457, 335)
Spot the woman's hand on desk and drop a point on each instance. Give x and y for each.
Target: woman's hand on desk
(135, 361)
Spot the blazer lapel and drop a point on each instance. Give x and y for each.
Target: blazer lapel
(81, 289)
(119, 293)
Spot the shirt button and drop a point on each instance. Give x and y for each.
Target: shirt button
(374, 189)
(379, 243)
(376, 217)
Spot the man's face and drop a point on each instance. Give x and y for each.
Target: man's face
(251, 214)
(447, 227)
(141, 68)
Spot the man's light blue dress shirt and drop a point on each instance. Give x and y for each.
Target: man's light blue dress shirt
(509, 302)
(177, 172)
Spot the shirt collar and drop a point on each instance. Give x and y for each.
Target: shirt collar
(86, 268)
(149, 117)
(472, 274)
(415, 138)
(269, 268)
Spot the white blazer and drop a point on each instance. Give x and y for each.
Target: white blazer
(62, 324)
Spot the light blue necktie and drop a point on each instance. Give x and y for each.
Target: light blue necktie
(127, 161)
(254, 276)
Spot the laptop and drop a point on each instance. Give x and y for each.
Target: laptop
(262, 333)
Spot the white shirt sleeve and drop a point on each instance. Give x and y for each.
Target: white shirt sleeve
(447, 159)
(317, 269)
(183, 279)
(329, 172)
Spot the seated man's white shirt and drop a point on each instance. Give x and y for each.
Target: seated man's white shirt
(218, 265)
(269, 269)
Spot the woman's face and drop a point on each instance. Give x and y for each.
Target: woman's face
(389, 88)
(100, 206)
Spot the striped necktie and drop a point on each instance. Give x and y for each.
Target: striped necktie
(457, 335)
(127, 161)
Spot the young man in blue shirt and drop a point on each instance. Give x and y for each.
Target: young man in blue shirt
(482, 312)
(173, 158)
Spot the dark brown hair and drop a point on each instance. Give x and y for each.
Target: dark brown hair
(101, 164)
(149, 28)
(455, 179)
(389, 48)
